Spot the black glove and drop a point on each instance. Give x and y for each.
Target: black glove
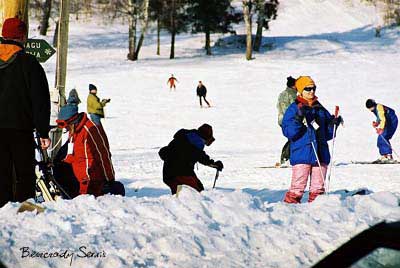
(336, 121)
(218, 165)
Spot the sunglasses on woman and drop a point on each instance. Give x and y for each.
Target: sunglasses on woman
(308, 89)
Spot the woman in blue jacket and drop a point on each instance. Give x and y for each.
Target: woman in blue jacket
(309, 127)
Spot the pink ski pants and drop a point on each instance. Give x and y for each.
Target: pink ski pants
(300, 174)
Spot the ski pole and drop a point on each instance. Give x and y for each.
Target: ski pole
(319, 163)
(316, 156)
(216, 178)
(388, 143)
(328, 179)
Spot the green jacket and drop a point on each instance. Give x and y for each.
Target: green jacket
(287, 97)
(95, 106)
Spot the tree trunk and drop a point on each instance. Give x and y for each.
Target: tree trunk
(55, 37)
(172, 52)
(61, 73)
(62, 50)
(14, 8)
(158, 36)
(247, 20)
(260, 25)
(173, 30)
(208, 41)
(132, 31)
(44, 23)
(144, 28)
(258, 38)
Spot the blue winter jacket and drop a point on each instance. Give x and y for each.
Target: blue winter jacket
(303, 126)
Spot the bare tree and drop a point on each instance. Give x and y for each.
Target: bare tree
(247, 13)
(136, 11)
(266, 11)
(157, 14)
(175, 20)
(44, 21)
(173, 28)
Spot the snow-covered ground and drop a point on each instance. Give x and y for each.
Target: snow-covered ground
(241, 223)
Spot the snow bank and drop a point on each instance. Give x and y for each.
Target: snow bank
(221, 228)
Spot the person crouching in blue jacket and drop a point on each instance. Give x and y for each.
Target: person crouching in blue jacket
(309, 127)
(385, 125)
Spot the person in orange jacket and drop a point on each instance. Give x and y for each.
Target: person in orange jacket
(171, 82)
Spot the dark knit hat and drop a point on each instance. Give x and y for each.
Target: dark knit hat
(67, 111)
(92, 87)
(73, 97)
(14, 28)
(290, 81)
(206, 132)
(370, 103)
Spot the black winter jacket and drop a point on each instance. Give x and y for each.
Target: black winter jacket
(201, 91)
(24, 91)
(182, 153)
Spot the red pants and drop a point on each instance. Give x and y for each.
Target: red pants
(191, 181)
(300, 174)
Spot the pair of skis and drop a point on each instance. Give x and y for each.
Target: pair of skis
(47, 187)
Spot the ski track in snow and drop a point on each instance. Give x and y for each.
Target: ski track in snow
(243, 222)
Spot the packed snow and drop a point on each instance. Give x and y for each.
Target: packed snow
(243, 222)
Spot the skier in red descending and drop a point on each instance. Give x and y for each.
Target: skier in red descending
(171, 82)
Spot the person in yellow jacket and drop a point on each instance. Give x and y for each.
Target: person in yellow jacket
(95, 106)
(385, 125)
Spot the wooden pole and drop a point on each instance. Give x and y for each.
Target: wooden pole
(12, 9)
(58, 96)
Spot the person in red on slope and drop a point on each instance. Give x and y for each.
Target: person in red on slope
(88, 153)
(171, 82)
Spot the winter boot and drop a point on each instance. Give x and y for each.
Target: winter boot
(312, 196)
(384, 159)
(292, 198)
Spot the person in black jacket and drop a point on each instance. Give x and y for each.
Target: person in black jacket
(201, 91)
(24, 106)
(182, 153)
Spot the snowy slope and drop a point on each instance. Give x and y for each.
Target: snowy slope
(243, 222)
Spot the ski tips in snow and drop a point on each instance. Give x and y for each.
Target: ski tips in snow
(277, 165)
(376, 162)
(29, 206)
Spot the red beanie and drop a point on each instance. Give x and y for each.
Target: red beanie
(14, 28)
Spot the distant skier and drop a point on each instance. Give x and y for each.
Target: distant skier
(172, 82)
(201, 91)
(286, 97)
(308, 126)
(385, 125)
(182, 153)
(95, 107)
